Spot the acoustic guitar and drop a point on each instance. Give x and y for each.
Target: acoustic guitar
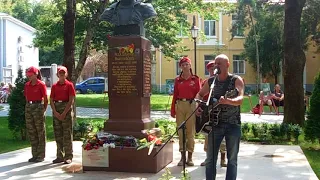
(210, 114)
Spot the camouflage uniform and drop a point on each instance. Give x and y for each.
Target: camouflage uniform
(35, 124)
(63, 132)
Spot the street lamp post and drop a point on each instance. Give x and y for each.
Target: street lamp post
(194, 33)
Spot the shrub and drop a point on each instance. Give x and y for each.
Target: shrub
(17, 102)
(275, 131)
(245, 128)
(312, 125)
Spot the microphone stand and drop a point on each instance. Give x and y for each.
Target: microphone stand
(214, 162)
(183, 127)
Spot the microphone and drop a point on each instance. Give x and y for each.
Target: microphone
(216, 71)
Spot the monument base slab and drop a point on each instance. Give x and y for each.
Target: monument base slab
(130, 159)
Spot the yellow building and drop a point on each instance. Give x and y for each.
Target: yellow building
(217, 42)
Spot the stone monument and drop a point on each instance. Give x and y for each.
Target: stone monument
(129, 87)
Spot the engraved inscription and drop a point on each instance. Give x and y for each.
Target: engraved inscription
(147, 75)
(124, 72)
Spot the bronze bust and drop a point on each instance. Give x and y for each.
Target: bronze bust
(128, 16)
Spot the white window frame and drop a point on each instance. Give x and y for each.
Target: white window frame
(236, 70)
(178, 70)
(207, 59)
(210, 28)
(180, 34)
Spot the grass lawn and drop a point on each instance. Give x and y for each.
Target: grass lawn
(7, 143)
(158, 102)
(312, 152)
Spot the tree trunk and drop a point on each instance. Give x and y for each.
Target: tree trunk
(294, 61)
(69, 42)
(275, 79)
(91, 28)
(69, 33)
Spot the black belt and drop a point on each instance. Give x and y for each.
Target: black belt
(184, 99)
(59, 101)
(34, 102)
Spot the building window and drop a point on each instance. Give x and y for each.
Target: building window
(238, 64)
(183, 25)
(207, 59)
(178, 70)
(239, 30)
(210, 27)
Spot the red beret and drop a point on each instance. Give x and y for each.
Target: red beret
(62, 68)
(183, 60)
(210, 64)
(32, 70)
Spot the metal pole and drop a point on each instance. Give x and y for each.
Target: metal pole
(160, 67)
(195, 55)
(257, 50)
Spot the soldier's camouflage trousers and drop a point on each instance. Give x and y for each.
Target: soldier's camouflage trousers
(35, 124)
(63, 130)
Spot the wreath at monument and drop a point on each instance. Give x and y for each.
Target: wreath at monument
(102, 139)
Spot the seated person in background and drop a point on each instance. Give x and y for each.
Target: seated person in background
(278, 97)
(266, 100)
(5, 93)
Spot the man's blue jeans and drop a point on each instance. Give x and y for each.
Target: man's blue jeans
(232, 134)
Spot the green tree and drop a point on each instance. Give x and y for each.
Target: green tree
(269, 30)
(91, 33)
(312, 124)
(310, 24)
(17, 101)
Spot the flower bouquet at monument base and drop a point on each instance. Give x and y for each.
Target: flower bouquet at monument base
(154, 138)
(104, 139)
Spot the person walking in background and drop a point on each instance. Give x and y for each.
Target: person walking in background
(186, 86)
(35, 91)
(208, 139)
(61, 100)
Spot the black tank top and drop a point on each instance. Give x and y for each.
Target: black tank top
(229, 113)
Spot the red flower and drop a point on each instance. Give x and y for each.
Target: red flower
(151, 138)
(158, 142)
(101, 143)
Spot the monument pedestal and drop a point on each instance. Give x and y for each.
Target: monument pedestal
(130, 160)
(129, 89)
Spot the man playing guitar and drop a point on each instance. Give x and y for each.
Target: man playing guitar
(208, 149)
(229, 126)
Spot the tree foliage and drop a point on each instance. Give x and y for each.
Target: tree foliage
(269, 30)
(310, 25)
(312, 127)
(92, 34)
(17, 102)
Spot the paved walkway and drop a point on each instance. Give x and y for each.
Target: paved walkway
(104, 113)
(289, 164)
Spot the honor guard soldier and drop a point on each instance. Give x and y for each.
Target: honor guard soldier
(61, 101)
(35, 92)
(186, 86)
